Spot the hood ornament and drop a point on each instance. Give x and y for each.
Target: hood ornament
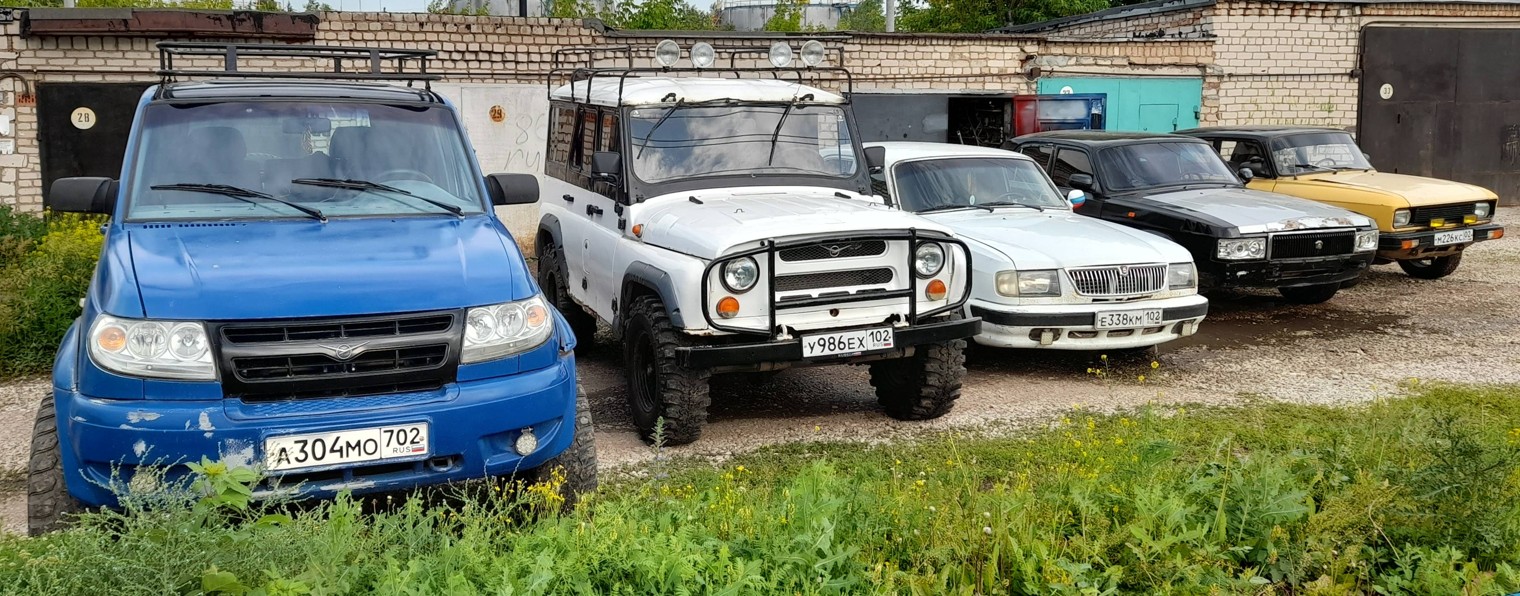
(835, 250)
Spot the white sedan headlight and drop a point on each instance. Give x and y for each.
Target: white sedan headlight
(1366, 241)
(500, 330)
(1482, 210)
(1181, 276)
(1241, 249)
(1046, 282)
(153, 349)
(1400, 218)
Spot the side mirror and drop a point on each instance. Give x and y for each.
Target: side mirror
(1081, 181)
(606, 166)
(876, 158)
(1246, 174)
(1366, 157)
(1076, 198)
(512, 189)
(82, 195)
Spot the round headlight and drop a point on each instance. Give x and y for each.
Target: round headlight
(480, 325)
(928, 259)
(1481, 210)
(780, 55)
(702, 55)
(739, 275)
(812, 53)
(510, 320)
(187, 342)
(666, 53)
(147, 340)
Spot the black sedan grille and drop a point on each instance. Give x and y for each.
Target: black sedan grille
(1450, 214)
(326, 330)
(1318, 244)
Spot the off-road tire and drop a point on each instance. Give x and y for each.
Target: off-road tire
(658, 386)
(557, 294)
(1432, 268)
(1315, 294)
(924, 386)
(49, 506)
(577, 463)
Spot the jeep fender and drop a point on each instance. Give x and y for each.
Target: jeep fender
(548, 233)
(642, 278)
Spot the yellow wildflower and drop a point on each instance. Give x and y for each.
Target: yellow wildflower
(1155, 365)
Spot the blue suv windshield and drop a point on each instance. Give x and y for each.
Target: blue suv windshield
(289, 153)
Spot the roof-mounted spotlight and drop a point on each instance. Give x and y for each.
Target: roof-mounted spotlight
(666, 53)
(702, 55)
(812, 53)
(780, 55)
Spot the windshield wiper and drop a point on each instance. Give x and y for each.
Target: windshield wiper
(1304, 166)
(949, 207)
(649, 136)
(1011, 204)
(367, 185)
(241, 194)
(776, 134)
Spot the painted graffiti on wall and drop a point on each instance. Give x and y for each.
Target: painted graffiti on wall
(508, 125)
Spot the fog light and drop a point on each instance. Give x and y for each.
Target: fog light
(1436, 222)
(728, 307)
(1469, 219)
(526, 443)
(935, 290)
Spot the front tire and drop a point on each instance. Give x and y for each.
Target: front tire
(557, 294)
(924, 386)
(1432, 268)
(576, 465)
(658, 386)
(49, 506)
(1314, 294)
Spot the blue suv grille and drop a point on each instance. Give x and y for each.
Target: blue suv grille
(340, 357)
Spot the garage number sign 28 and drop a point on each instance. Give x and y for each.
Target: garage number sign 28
(83, 118)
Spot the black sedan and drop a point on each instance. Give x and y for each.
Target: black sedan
(1180, 188)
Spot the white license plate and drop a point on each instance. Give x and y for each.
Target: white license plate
(1123, 319)
(1453, 237)
(294, 452)
(847, 342)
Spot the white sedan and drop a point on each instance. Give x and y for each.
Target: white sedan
(1043, 276)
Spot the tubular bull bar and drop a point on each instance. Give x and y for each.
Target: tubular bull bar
(770, 247)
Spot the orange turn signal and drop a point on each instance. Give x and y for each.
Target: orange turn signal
(1130, 214)
(112, 339)
(935, 290)
(728, 307)
(1496, 234)
(1408, 244)
(638, 230)
(537, 316)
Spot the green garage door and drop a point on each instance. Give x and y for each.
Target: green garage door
(1152, 104)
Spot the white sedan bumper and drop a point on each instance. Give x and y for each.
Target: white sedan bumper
(1074, 326)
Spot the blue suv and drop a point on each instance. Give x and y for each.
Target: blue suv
(305, 276)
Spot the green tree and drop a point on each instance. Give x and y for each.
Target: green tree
(651, 15)
(974, 16)
(447, 7)
(317, 6)
(865, 17)
(788, 17)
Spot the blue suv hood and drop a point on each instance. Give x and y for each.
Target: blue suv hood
(282, 269)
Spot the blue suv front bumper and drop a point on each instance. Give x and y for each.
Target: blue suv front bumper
(473, 425)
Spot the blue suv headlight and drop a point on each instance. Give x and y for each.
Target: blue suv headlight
(500, 330)
(151, 348)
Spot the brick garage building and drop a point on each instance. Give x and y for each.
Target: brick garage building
(1427, 86)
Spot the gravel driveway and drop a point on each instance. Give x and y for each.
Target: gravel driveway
(1365, 343)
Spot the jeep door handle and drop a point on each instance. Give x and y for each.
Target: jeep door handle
(568, 198)
(593, 210)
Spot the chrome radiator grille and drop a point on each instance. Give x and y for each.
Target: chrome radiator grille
(1119, 280)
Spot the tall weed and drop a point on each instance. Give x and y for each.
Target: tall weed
(41, 285)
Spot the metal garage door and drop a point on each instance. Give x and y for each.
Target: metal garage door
(1151, 104)
(83, 127)
(1443, 102)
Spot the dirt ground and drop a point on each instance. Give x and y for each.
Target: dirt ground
(1370, 341)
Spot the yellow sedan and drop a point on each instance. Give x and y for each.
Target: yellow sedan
(1424, 223)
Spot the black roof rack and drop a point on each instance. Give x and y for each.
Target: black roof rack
(563, 71)
(363, 64)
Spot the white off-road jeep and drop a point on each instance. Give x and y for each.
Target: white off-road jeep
(716, 223)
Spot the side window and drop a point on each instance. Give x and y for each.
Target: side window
(562, 135)
(1225, 148)
(1068, 162)
(609, 138)
(1040, 154)
(1244, 154)
(585, 143)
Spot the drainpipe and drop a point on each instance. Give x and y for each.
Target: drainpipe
(890, 6)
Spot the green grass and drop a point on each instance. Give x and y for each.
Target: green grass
(1410, 496)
